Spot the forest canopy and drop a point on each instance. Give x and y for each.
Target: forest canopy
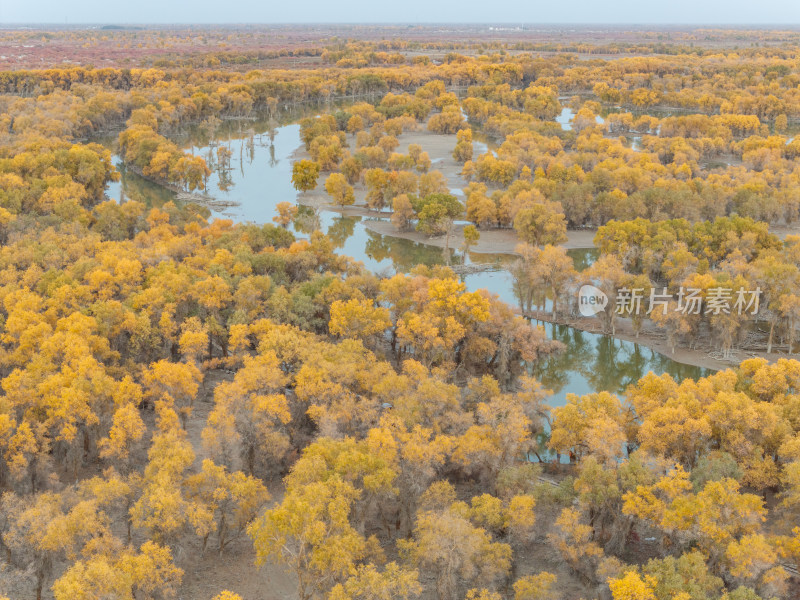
(191, 404)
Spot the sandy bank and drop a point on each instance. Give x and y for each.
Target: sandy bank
(439, 148)
(493, 241)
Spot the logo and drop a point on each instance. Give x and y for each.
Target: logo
(591, 300)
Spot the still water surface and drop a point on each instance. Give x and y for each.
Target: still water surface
(259, 176)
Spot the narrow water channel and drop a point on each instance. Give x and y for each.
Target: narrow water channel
(259, 177)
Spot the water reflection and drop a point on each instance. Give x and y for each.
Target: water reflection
(566, 115)
(582, 258)
(402, 254)
(135, 187)
(252, 163)
(594, 362)
(341, 229)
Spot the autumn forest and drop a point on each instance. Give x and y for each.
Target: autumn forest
(201, 402)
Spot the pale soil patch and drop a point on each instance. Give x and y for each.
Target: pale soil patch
(207, 574)
(785, 230)
(439, 148)
(493, 241)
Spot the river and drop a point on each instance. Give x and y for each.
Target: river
(259, 176)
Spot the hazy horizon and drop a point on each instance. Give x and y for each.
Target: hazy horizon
(543, 24)
(315, 12)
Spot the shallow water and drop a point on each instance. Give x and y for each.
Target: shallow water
(567, 114)
(259, 176)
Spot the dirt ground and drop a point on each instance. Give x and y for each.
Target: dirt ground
(207, 574)
(782, 231)
(439, 148)
(493, 241)
(235, 571)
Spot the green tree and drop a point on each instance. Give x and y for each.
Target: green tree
(436, 213)
(337, 187)
(542, 223)
(304, 175)
(471, 237)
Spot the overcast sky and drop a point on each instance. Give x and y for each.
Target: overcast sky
(741, 12)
